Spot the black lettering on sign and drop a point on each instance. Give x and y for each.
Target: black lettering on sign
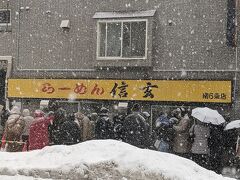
(211, 95)
(205, 95)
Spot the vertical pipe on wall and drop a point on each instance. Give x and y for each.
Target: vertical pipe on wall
(18, 37)
(231, 41)
(236, 59)
(231, 26)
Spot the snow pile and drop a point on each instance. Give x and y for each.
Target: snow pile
(20, 178)
(106, 159)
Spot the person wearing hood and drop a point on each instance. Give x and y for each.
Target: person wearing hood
(181, 143)
(28, 119)
(165, 132)
(38, 131)
(13, 130)
(70, 131)
(200, 147)
(86, 126)
(134, 127)
(54, 127)
(104, 126)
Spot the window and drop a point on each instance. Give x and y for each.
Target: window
(122, 39)
(5, 17)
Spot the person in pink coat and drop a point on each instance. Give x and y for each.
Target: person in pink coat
(38, 133)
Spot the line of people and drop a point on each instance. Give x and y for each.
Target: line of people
(53, 126)
(206, 144)
(131, 128)
(175, 132)
(22, 132)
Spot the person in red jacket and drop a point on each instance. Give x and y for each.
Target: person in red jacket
(38, 133)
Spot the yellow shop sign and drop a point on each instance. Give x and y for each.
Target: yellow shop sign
(142, 90)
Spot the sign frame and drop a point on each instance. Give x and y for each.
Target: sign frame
(178, 83)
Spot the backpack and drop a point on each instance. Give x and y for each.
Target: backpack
(15, 129)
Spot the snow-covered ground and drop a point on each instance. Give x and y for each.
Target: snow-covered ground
(105, 159)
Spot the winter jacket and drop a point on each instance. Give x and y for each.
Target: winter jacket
(162, 121)
(134, 129)
(28, 121)
(104, 127)
(70, 133)
(13, 130)
(1, 112)
(164, 129)
(4, 117)
(230, 138)
(201, 134)
(216, 146)
(145, 132)
(86, 126)
(38, 133)
(216, 139)
(54, 128)
(118, 126)
(180, 141)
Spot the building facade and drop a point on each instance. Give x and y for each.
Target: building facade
(161, 54)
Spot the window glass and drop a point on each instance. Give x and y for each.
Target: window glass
(138, 35)
(134, 35)
(113, 39)
(126, 39)
(122, 39)
(4, 16)
(102, 39)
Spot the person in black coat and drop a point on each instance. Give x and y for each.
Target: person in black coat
(229, 148)
(118, 120)
(146, 132)
(118, 126)
(4, 116)
(104, 126)
(165, 132)
(54, 128)
(134, 128)
(216, 144)
(70, 131)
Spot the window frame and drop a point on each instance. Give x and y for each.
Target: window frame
(10, 22)
(98, 57)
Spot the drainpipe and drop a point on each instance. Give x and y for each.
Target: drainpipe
(236, 60)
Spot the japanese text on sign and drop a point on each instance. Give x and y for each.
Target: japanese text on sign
(143, 90)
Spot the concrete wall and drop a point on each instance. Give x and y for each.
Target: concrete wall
(195, 40)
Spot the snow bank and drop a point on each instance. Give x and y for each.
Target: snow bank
(20, 178)
(105, 159)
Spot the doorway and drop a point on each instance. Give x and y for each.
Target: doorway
(3, 73)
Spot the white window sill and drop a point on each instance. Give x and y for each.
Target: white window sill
(5, 28)
(119, 58)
